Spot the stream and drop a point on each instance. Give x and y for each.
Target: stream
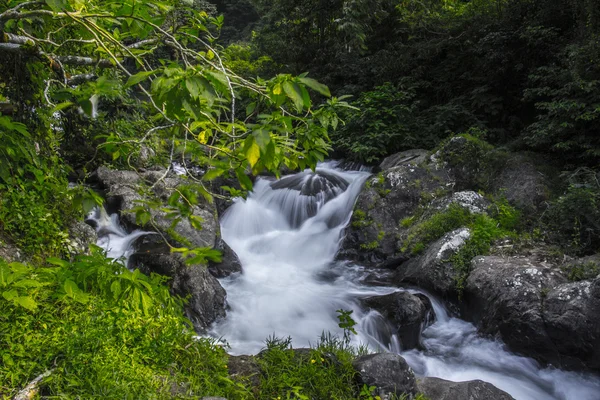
(287, 233)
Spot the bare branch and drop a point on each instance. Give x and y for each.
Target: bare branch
(30, 391)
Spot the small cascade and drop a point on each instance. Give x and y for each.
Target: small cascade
(117, 243)
(287, 233)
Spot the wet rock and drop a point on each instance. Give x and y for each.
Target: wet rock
(472, 201)
(206, 297)
(388, 372)
(124, 189)
(440, 389)
(433, 270)
(230, 263)
(408, 314)
(535, 311)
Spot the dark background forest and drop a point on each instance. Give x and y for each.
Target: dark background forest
(523, 73)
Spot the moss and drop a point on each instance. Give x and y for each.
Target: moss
(581, 271)
(436, 226)
(360, 220)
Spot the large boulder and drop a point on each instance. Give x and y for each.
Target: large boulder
(525, 180)
(440, 389)
(433, 270)
(535, 310)
(387, 198)
(388, 372)
(408, 314)
(229, 264)
(124, 190)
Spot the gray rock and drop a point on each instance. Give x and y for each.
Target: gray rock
(230, 263)
(472, 201)
(432, 270)
(409, 314)
(535, 311)
(388, 372)
(206, 297)
(213, 398)
(409, 157)
(388, 198)
(525, 181)
(245, 369)
(81, 237)
(9, 252)
(123, 193)
(440, 389)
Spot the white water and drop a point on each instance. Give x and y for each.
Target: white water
(115, 240)
(291, 286)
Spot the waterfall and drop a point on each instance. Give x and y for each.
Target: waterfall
(115, 240)
(287, 233)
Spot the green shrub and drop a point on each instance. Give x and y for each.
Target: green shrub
(572, 219)
(103, 331)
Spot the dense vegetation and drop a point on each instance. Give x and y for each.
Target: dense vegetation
(134, 84)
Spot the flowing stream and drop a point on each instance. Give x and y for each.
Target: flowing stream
(287, 233)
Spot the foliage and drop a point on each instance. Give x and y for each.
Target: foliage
(103, 331)
(572, 219)
(581, 271)
(323, 372)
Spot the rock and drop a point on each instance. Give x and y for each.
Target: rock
(387, 199)
(440, 389)
(530, 305)
(432, 270)
(572, 322)
(388, 372)
(468, 160)
(525, 181)
(245, 369)
(206, 297)
(472, 201)
(9, 252)
(408, 313)
(230, 264)
(123, 193)
(82, 236)
(409, 157)
(213, 398)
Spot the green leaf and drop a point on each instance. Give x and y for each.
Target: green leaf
(26, 302)
(137, 78)
(294, 93)
(9, 295)
(314, 85)
(115, 288)
(253, 153)
(57, 261)
(62, 106)
(70, 288)
(213, 174)
(243, 178)
(56, 5)
(194, 85)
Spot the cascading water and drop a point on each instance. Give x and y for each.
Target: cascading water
(117, 243)
(287, 234)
